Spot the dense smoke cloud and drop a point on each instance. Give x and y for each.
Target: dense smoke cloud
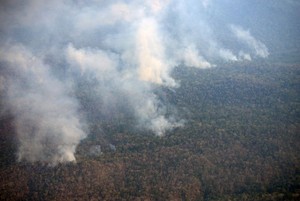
(47, 122)
(129, 47)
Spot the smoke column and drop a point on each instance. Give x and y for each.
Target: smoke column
(46, 118)
(129, 47)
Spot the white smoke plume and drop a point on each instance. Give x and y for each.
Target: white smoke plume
(192, 58)
(227, 55)
(153, 66)
(139, 94)
(244, 56)
(129, 47)
(245, 36)
(46, 119)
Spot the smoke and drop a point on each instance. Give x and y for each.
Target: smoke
(46, 119)
(206, 3)
(192, 58)
(244, 56)
(153, 66)
(245, 36)
(128, 47)
(227, 55)
(134, 90)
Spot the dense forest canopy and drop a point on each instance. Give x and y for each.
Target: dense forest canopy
(149, 100)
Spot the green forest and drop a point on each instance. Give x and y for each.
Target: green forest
(239, 141)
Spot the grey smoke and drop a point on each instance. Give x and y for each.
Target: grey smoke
(246, 37)
(46, 118)
(95, 150)
(129, 47)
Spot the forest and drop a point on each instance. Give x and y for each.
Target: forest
(239, 141)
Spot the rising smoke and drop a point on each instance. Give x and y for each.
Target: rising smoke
(129, 47)
(47, 122)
